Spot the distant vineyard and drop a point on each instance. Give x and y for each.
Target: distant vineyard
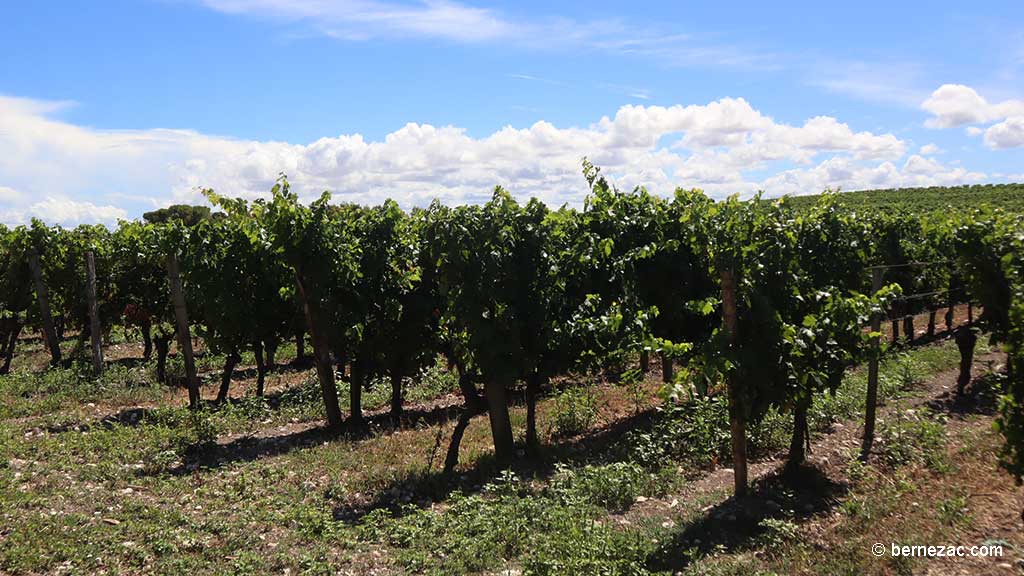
(1009, 197)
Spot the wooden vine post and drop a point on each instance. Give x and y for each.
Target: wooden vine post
(184, 338)
(94, 314)
(737, 420)
(321, 352)
(43, 296)
(872, 398)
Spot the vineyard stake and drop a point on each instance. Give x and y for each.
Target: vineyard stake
(737, 424)
(184, 339)
(43, 295)
(94, 314)
(321, 352)
(872, 398)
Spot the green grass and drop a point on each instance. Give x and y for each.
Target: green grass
(81, 497)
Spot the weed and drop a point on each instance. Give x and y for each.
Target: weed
(953, 511)
(575, 410)
(915, 436)
(613, 486)
(778, 532)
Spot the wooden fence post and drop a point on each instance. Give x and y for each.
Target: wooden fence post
(872, 397)
(94, 314)
(184, 338)
(737, 419)
(43, 296)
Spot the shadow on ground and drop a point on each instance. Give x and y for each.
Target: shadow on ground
(980, 397)
(736, 524)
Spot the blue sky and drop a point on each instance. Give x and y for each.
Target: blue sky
(108, 109)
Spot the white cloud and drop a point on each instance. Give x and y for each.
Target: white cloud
(930, 149)
(842, 173)
(1007, 134)
(954, 105)
(718, 146)
(64, 211)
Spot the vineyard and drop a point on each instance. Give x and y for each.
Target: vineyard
(643, 385)
(1009, 197)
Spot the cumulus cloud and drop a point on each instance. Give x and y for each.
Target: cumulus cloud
(842, 173)
(953, 105)
(725, 146)
(930, 149)
(64, 211)
(1007, 134)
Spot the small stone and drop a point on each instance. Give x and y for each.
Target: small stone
(641, 498)
(111, 521)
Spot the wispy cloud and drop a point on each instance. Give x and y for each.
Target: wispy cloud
(532, 78)
(900, 83)
(364, 19)
(631, 91)
(457, 22)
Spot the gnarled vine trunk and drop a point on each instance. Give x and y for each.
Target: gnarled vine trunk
(261, 368)
(965, 342)
(147, 339)
(800, 437)
(270, 346)
(496, 393)
(908, 327)
(12, 341)
(666, 368)
(225, 378)
(162, 342)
